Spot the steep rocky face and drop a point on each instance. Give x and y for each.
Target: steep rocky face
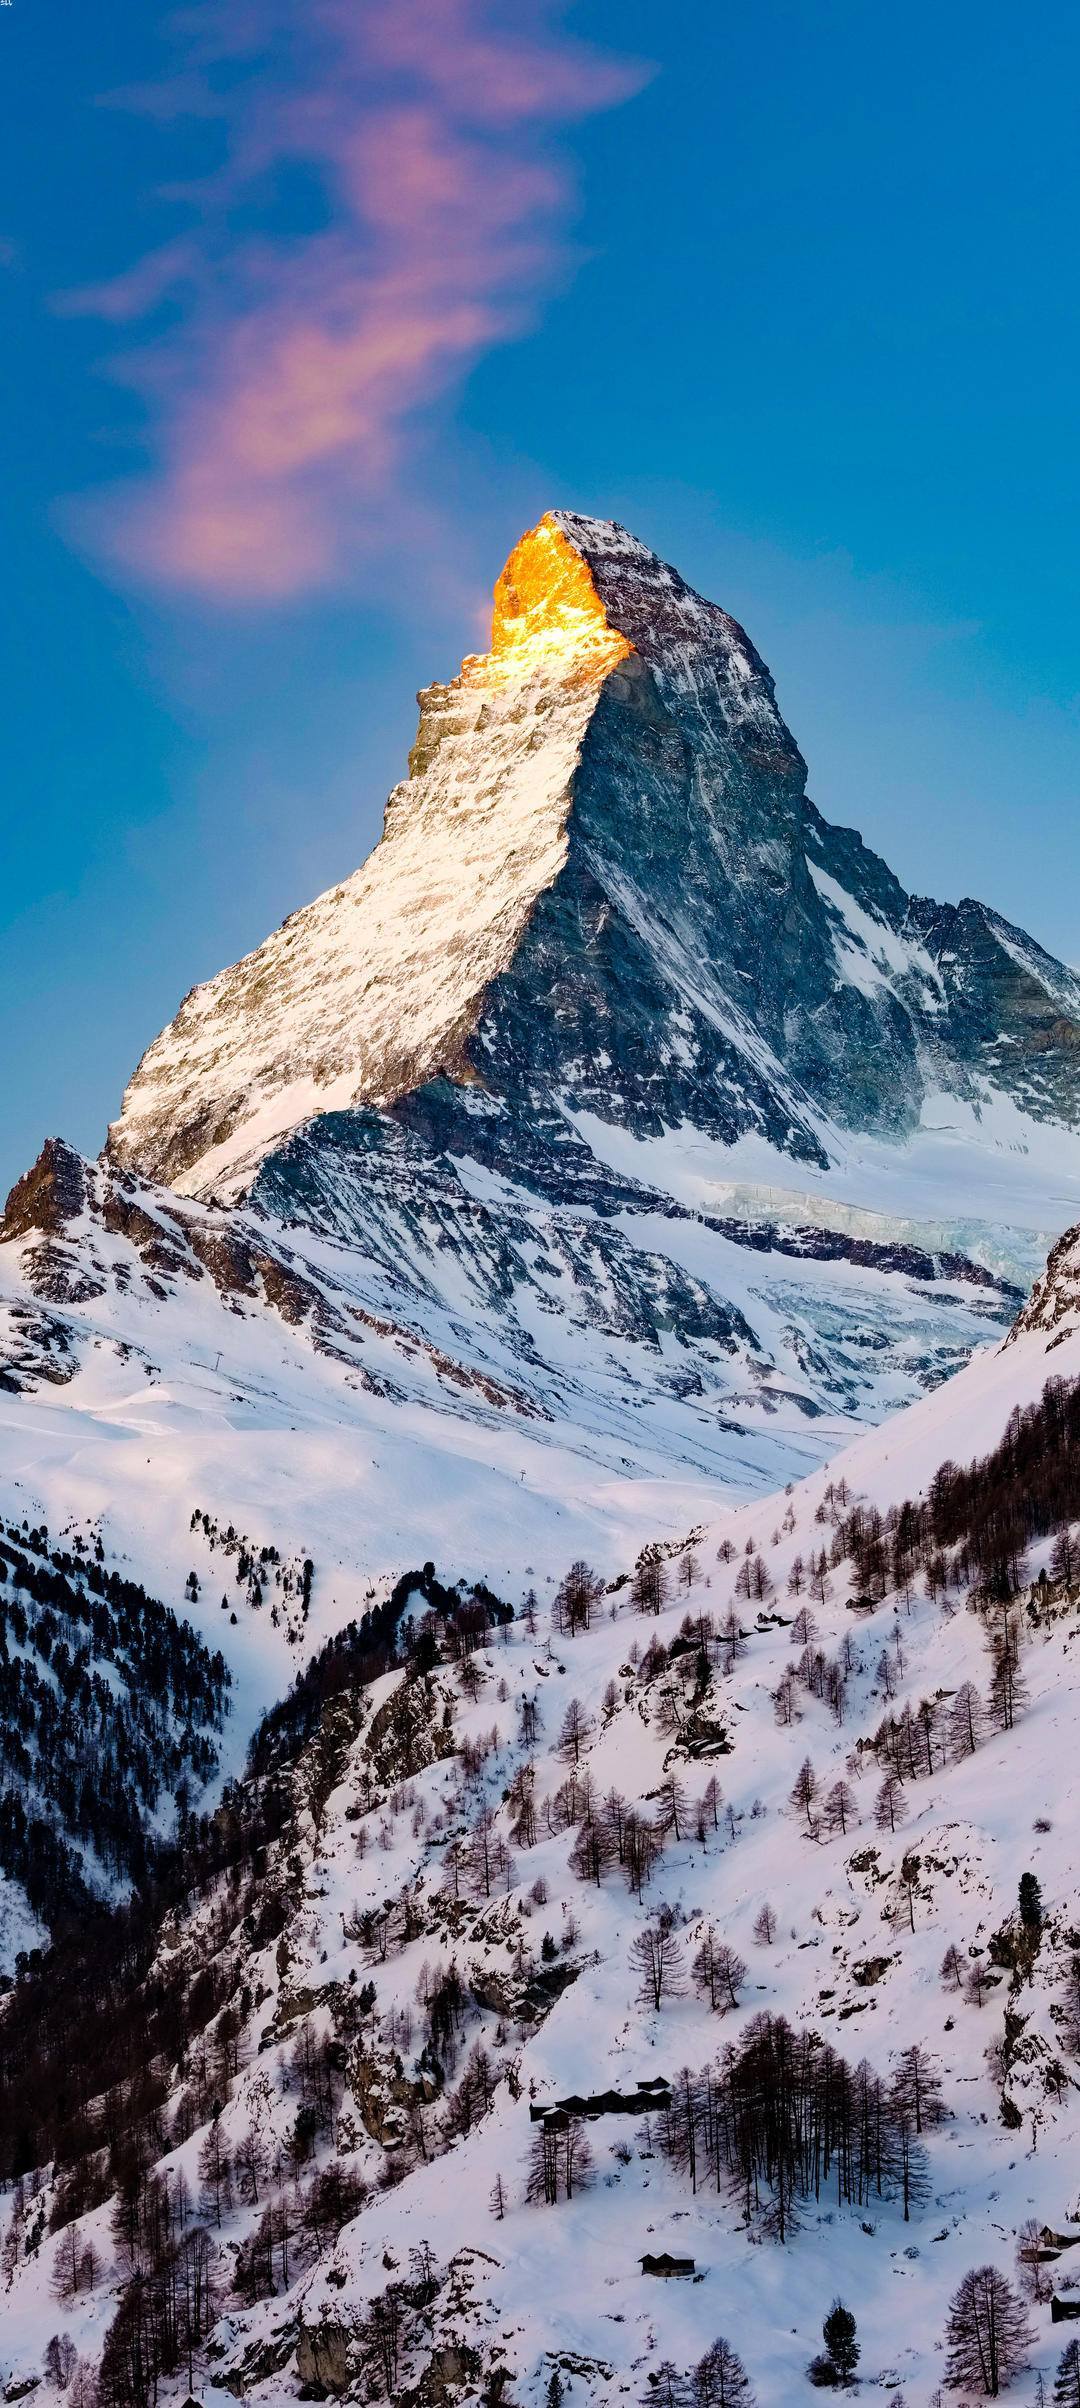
(1054, 1303)
(75, 1233)
(602, 888)
(49, 1195)
(1013, 1012)
(379, 984)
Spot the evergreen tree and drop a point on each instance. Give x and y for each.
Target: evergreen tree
(838, 2334)
(575, 1732)
(890, 1808)
(1031, 1908)
(657, 1957)
(967, 1717)
(1065, 1560)
(805, 1792)
(918, 2084)
(840, 1808)
(719, 1972)
(952, 1967)
(215, 2173)
(720, 2380)
(576, 1599)
(987, 2333)
(1066, 2391)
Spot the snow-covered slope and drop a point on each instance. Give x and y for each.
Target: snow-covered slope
(400, 1862)
(619, 1168)
(486, 1368)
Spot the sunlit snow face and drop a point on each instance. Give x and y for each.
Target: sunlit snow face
(549, 616)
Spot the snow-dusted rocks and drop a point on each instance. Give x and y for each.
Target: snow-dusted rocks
(1054, 1303)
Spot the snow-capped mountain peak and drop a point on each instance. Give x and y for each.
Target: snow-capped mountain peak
(379, 985)
(588, 804)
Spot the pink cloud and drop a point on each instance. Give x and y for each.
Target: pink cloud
(286, 396)
(124, 299)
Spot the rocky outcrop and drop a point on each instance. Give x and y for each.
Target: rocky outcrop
(322, 2361)
(48, 1196)
(83, 1231)
(1054, 1303)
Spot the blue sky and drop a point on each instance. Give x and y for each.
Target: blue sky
(307, 326)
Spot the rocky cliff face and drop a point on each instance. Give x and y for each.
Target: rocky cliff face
(1054, 1303)
(602, 889)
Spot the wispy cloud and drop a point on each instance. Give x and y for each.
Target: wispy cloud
(285, 373)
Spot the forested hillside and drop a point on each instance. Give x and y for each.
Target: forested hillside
(110, 1712)
(723, 1913)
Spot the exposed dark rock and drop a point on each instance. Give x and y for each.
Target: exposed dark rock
(322, 2361)
(49, 1195)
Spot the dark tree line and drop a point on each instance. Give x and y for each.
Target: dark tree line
(782, 2118)
(121, 1622)
(163, 2317)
